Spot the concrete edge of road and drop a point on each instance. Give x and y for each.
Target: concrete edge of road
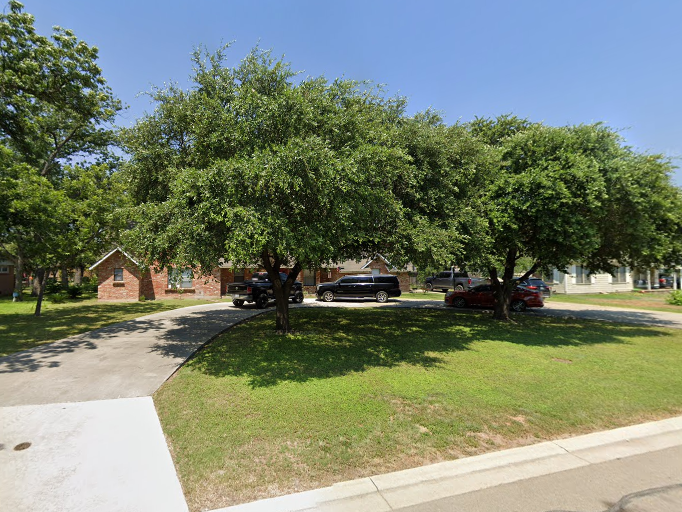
(446, 479)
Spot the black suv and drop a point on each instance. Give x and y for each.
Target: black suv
(381, 287)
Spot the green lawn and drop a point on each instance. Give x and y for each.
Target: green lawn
(420, 295)
(20, 330)
(653, 301)
(358, 392)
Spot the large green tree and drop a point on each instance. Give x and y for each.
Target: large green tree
(557, 195)
(55, 110)
(256, 167)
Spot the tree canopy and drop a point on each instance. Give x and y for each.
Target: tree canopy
(55, 135)
(558, 195)
(257, 168)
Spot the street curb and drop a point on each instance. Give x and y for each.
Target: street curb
(446, 479)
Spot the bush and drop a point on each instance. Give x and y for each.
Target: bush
(57, 298)
(74, 291)
(675, 298)
(142, 298)
(53, 286)
(89, 284)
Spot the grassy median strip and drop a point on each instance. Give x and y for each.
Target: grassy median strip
(652, 301)
(20, 330)
(358, 392)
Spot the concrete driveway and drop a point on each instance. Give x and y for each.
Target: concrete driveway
(78, 427)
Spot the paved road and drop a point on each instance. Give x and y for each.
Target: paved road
(602, 313)
(651, 482)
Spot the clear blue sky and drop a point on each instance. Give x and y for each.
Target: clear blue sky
(560, 62)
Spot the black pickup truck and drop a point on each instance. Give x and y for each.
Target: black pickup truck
(259, 289)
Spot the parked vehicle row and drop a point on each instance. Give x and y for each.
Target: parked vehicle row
(483, 296)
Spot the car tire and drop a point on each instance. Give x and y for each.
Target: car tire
(459, 288)
(381, 296)
(429, 287)
(238, 302)
(459, 302)
(518, 306)
(298, 298)
(328, 296)
(262, 301)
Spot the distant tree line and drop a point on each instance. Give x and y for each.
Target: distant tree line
(255, 166)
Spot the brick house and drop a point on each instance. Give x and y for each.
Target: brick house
(6, 278)
(120, 278)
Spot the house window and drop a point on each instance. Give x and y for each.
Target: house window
(4, 270)
(582, 275)
(118, 275)
(376, 271)
(180, 278)
(239, 274)
(620, 275)
(309, 278)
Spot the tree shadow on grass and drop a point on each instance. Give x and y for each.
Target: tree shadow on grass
(336, 342)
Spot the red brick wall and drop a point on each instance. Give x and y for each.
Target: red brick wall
(128, 289)
(153, 285)
(7, 281)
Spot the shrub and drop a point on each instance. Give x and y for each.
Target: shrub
(74, 291)
(53, 286)
(675, 298)
(57, 298)
(89, 284)
(142, 298)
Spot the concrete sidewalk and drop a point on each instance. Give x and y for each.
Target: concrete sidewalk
(106, 455)
(434, 487)
(78, 427)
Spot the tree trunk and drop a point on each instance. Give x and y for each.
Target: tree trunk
(282, 304)
(503, 290)
(35, 285)
(41, 277)
(65, 277)
(19, 279)
(280, 289)
(648, 279)
(78, 275)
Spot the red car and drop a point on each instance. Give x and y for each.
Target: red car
(482, 295)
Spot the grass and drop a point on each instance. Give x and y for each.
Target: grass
(652, 301)
(358, 392)
(420, 295)
(20, 330)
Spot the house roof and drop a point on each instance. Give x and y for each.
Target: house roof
(112, 252)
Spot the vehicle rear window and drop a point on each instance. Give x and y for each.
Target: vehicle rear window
(386, 279)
